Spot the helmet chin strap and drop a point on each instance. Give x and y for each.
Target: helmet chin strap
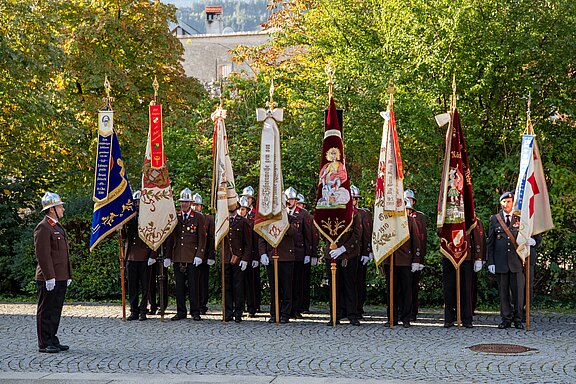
(55, 213)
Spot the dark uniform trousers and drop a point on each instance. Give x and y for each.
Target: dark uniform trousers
(306, 275)
(511, 284)
(285, 275)
(346, 287)
(297, 288)
(49, 311)
(154, 281)
(402, 293)
(253, 289)
(186, 278)
(138, 279)
(466, 292)
(234, 292)
(204, 286)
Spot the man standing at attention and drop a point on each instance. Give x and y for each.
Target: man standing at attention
(53, 273)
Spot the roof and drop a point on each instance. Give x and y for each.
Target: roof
(213, 9)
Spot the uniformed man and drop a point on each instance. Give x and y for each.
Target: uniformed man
(158, 276)
(286, 251)
(252, 277)
(473, 262)
(186, 249)
(204, 268)
(421, 221)
(505, 262)
(407, 260)
(346, 256)
(237, 253)
(140, 257)
(365, 247)
(53, 273)
(303, 250)
(307, 272)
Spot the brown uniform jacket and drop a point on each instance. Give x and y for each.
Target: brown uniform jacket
(421, 221)
(188, 240)
(366, 242)
(477, 243)
(52, 254)
(136, 249)
(411, 251)
(239, 240)
(302, 233)
(350, 239)
(286, 249)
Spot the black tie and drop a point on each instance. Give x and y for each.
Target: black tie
(508, 220)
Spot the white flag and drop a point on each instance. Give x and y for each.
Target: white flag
(224, 196)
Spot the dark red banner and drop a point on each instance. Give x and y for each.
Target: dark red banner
(156, 142)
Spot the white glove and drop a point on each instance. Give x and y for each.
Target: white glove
(415, 267)
(255, 263)
(151, 261)
(210, 261)
(167, 263)
(364, 260)
(243, 265)
(197, 261)
(420, 267)
(50, 284)
(264, 259)
(531, 242)
(477, 265)
(68, 282)
(313, 261)
(371, 256)
(492, 269)
(337, 252)
(306, 259)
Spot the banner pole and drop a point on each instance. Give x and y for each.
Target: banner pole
(223, 281)
(161, 279)
(458, 312)
(122, 267)
(333, 268)
(276, 289)
(527, 273)
(391, 289)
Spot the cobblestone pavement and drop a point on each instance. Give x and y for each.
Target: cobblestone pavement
(307, 350)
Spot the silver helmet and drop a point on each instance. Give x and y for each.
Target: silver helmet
(50, 200)
(301, 198)
(408, 203)
(355, 191)
(136, 195)
(244, 202)
(409, 194)
(197, 199)
(290, 193)
(248, 191)
(186, 195)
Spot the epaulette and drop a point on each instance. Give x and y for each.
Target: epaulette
(51, 221)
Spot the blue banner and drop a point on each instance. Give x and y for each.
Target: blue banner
(113, 204)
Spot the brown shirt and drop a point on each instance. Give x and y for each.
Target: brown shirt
(52, 254)
(239, 240)
(188, 240)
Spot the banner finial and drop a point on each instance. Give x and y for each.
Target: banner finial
(453, 103)
(391, 91)
(107, 100)
(271, 104)
(156, 86)
(330, 82)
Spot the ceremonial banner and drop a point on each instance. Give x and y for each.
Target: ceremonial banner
(456, 214)
(157, 218)
(390, 220)
(113, 205)
(531, 197)
(224, 196)
(271, 221)
(334, 206)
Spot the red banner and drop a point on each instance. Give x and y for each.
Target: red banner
(456, 214)
(334, 207)
(156, 143)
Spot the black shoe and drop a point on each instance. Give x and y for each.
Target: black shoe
(142, 317)
(360, 317)
(272, 320)
(468, 325)
(406, 324)
(238, 319)
(518, 325)
(196, 318)
(49, 349)
(62, 347)
(252, 315)
(355, 322)
(504, 325)
(178, 317)
(228, 319)
(133, 316)
(153, 311)
(413, 318)
(448, 324)
(203, 312)
(299, 316)
(284, 320)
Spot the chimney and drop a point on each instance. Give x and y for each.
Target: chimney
(214, 19)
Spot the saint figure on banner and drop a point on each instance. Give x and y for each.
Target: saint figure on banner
(332, 176)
